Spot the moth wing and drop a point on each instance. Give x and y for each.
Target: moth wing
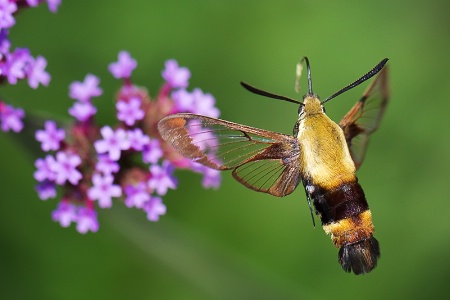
(365, 116)
(261, 160)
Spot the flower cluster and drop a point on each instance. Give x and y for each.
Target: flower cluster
(128, 161)
(18, 64)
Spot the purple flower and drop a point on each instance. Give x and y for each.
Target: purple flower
(46, 190)
(11, 118)
(106, 165)
(154, 208)
(53, 5)
(65, 213)
(175, 76)
(196, 102)
(152, 152)
(5, 44)
(84, 91)
(138, 140)
(37, 74)
(33, 3)
(162, 178)
(204, 104)
(124, 66)
(44, 169)
(50, 137)
(136, 195)
(65, 168)
(86, 220)
(7, 9)
(129, 112)
(184, 101)
(103, 190)
(113, 142)
(82, 111)
(211, 177)
(16, 64)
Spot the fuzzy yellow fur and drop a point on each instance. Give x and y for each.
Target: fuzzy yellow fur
(325, 156)
(350, 230)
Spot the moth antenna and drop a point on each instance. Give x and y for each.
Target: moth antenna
(363, 78)
(310, 89)
(298, 74)
(267, 94)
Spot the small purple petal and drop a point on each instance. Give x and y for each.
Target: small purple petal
(33, 3)
(45, 169)
(136, 195)
(211, 177)
(103, 190)
(37, 74)
(84, 91)
(82, 111)
(50, 137)
(138, 140)
(5, 44)
(124, 66)
(46, 190)
(175, 76)
(65, 213)
(204, 104)
(53, 5)
(152, 152)
(86, 220)
(7, 9)
(11, 118)
(106, 165)
(65, 168)
(184, 101)
(113, 142)
(129, 112)
(154, 208)
(17, 64)
(162, 178)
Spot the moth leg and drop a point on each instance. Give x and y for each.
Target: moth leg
(308, 198)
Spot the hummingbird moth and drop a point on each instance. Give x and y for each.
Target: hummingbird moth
(320, 154)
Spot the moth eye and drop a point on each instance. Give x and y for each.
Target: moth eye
(323, 109)
(301, 109)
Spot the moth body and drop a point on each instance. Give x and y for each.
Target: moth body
(321, 154)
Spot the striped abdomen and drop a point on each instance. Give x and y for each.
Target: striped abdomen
(345, 215)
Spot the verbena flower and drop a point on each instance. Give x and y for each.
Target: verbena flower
(46, 190)
(175, 76)
(50, 137)
(65, 168)
(162, 178)
(112, 142)
(7, 9)
(18, 64)
(37, 74)
(123, 68)
(84, 91)
(82, 111)
(11, 118)
(103, 190)
(129, 111)
(65, 213)
(154, 208)
(96, 165)
(86, 220)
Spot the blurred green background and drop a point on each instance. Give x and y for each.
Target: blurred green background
(234, 243)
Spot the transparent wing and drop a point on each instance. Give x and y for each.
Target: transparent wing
(261, 160)
(365, 116)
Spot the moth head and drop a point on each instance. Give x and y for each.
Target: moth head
(311, 105)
